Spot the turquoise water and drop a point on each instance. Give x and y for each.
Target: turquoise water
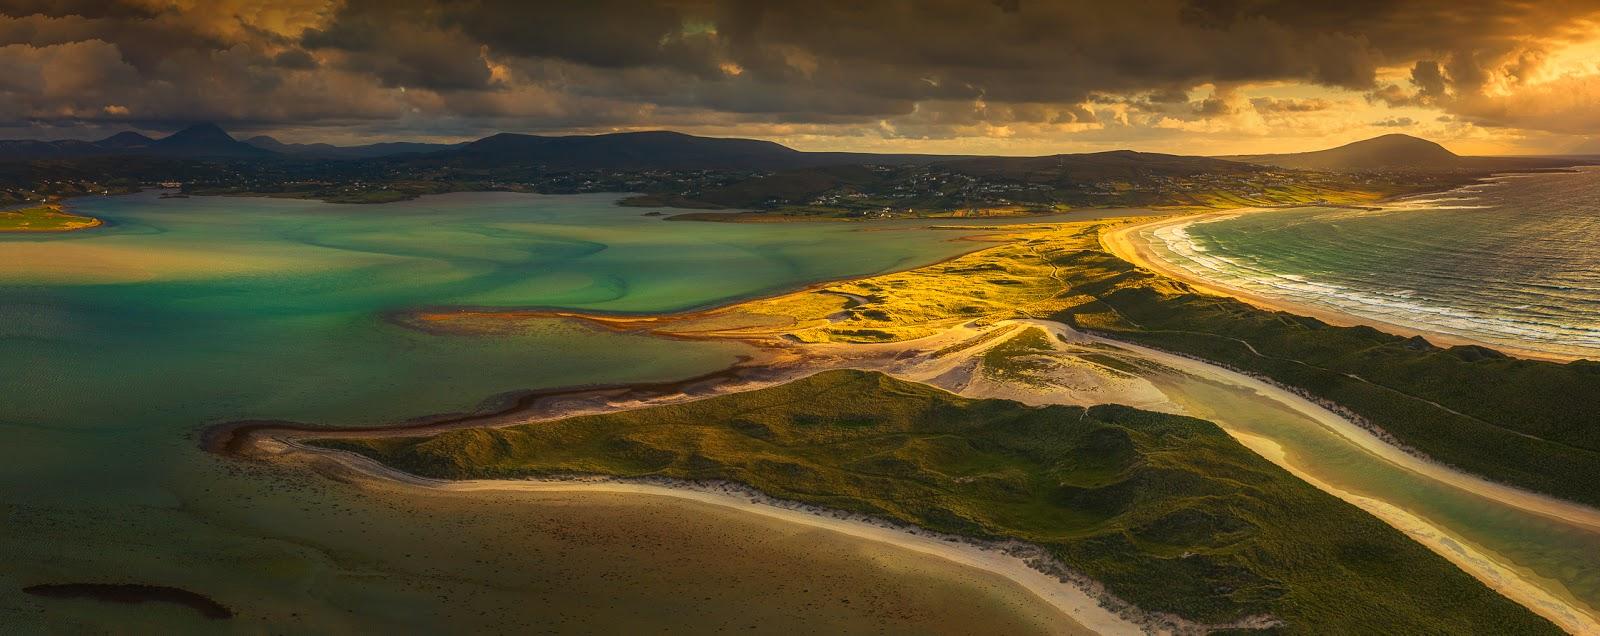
(119, 344)
(1513, 261)
(1561, 557)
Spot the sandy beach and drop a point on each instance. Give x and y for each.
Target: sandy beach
(1128, 243)
(948, 360)
(1079, 601)
(1077, 598)
(1073, 596)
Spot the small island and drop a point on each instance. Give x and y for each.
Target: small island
(48, 217)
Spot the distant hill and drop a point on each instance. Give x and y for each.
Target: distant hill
(628, 151)
(201, 140)
(330, 151)
(1389, 152)
(26, 149)
(125, 139)
(655, 150)
(1396, 153)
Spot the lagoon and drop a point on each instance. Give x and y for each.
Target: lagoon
(119, 344)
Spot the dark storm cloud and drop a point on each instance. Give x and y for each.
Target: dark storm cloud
(81, 8)
(295, 59)
(628, 62)
(1266, 105)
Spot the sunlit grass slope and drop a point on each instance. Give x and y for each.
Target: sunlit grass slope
(1529, 423)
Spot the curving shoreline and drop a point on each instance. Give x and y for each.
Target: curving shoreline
(1074, 595)
(1128, 243)
(785, 362)
(1078, 600)
(266, 440)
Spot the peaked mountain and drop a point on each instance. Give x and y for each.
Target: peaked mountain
(330, 151)
(1398, 153)
(1388, 152)
(125, 139)
(204, 140)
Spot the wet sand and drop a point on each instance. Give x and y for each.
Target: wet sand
(1076, 611)
(1128, 243)
(954, 372)
(619, 557)
(1076, 601)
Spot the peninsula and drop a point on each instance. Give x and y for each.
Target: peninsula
(50, 217)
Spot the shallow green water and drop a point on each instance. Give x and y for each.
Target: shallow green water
(118, 345)
(1562, 556)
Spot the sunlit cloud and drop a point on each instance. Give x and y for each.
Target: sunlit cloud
(944, 76)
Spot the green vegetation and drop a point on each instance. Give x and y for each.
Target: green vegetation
(1169, 512)
(1020, 358)
(1528, 423)
(44, 218)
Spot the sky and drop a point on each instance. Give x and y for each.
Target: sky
(1012, 77)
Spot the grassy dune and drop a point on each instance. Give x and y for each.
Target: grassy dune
(1168, 512)
(1528, 423)
(44, 218)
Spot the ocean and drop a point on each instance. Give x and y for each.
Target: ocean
(1511, 261)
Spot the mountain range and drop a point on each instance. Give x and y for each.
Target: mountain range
(203, 140)
(666, 150)
(661, 150)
